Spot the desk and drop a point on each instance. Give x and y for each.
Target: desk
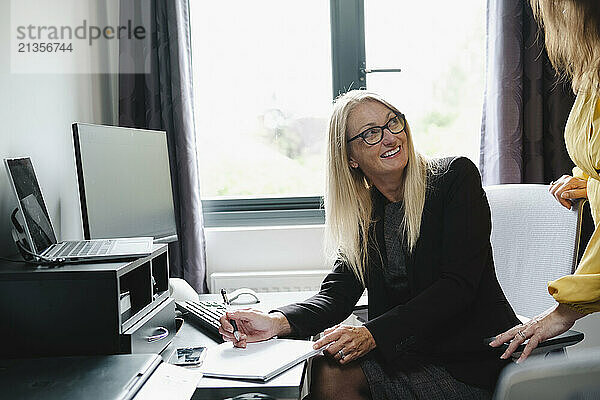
(79, 309)
(287, 385)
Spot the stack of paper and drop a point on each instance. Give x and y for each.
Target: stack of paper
(169, 382)
(258, 361)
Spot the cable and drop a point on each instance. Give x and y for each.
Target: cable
(40, 258)
(18, 234)
(26, 262)
(13, 261)
(15, 221)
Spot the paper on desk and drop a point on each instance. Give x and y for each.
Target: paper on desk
(170, 382)
(259, 361)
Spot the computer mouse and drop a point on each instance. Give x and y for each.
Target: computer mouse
(181, 290)
(243, 296)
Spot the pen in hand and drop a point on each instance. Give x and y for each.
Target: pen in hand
(236, 333)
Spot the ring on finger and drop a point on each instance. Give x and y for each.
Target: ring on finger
(520, 333)
(341, 354)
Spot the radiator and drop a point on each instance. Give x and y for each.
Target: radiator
(268, 281)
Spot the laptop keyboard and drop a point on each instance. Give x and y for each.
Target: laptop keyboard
(84, 248)
(206, 314)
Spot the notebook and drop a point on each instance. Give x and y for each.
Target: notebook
(40, 235)
(258, 361)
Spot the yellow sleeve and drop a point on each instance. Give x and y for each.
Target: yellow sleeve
(578, 173)
(582, 289)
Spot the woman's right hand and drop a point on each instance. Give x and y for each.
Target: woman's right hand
(253, 326)
(568, 187)
(549, 324)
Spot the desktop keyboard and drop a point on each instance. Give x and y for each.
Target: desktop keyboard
(206, 314)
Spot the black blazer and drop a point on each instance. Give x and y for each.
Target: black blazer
(455, 300)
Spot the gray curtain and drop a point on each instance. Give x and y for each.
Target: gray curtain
(525, 106)
(161, 98)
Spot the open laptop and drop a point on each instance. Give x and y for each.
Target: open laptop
(40, 234)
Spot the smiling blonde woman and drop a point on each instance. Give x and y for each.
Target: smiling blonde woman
(416, 234)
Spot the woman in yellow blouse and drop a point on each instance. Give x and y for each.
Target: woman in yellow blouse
(572, 29)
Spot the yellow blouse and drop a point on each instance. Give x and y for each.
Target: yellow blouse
(582, 136)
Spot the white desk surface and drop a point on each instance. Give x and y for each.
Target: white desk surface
(288, 385)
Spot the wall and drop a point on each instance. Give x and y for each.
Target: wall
(36, 112)
(265, 248)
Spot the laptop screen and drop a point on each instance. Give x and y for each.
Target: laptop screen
(31, 203)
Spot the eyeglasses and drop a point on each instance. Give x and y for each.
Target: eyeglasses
(374, 134)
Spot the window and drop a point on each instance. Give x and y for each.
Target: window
(263, 93)
(264, 71)
(440, 50)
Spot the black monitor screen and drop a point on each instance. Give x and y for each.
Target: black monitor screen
(124, 182)
(31, 203)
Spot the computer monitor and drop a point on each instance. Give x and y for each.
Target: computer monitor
(124, 182)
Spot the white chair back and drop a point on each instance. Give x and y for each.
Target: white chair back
(534, 240)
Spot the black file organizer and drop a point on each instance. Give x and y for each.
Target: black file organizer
(87, 309)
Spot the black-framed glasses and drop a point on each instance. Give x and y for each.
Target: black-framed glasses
(374, 134)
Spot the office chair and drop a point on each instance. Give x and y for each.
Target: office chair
(557, 378)
(534, 240)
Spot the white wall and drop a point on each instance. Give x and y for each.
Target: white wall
(265, 248)
(36, 112)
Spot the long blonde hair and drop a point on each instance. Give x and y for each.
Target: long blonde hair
(348, 204)
(572, 35)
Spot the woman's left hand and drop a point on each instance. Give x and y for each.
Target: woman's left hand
(346, 343)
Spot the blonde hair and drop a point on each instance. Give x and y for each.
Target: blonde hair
(572, 35)
(348, 204)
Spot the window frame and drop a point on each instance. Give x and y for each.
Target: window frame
(348, 72)
(263, 211)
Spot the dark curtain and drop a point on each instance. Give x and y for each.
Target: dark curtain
(525, 105)
(159, 96)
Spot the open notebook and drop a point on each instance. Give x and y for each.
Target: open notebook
(258, 361)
